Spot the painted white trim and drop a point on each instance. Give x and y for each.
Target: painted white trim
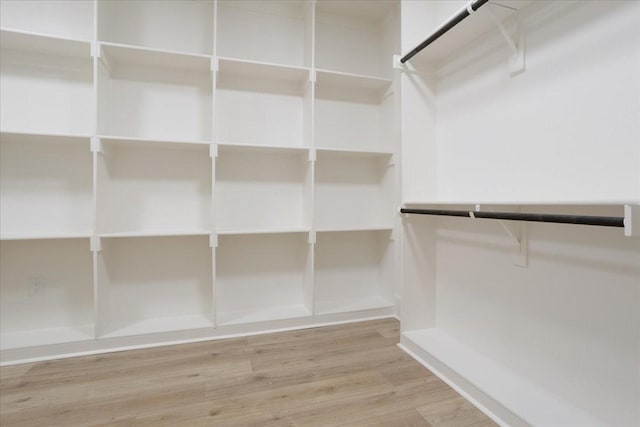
(162, 343)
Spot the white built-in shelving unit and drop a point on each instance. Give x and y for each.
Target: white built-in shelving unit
(176, 171)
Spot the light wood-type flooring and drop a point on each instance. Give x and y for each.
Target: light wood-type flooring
(351, 375)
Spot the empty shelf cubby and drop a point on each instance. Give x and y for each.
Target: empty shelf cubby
(263, 277)
(154, 284)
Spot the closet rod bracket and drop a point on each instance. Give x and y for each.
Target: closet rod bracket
(515, 43)
(518, 233)
(408, 68)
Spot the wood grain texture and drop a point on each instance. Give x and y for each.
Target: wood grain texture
(347, 375)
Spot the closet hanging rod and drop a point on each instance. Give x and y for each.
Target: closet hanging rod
(605, 221)
(472, 6)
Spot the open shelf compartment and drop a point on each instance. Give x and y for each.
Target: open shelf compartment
(136, 86)
(158, 24)
(57, 18)
(154, 284)
(351, 186)
(152, 187)
(260, 189)
(262, 104)
(354, 112)
(356, 37)
(278, 32)
(35, 43)
(263, 277)
(46, 186)
(46, 292)
(46, 84)
(353, 271)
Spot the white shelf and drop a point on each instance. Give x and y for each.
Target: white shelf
(228, 318)
(122, 55)
(46, 236)
(149, 141)
(237, 68)
(353, 271)
(262, 190)
(154, 284)
(352, 81)
(350, 305)
(151, 24)
(262, 277)
(274, 230)
(156, 233)
(355, 228)
(275, 32)
(64, 19)
(110, 143)
(46, 84)
(354, 152)
(46, 186)
(351, 187)
(483, 379)
(44, 137)
(46, 336)
(159, 325)
(153, 188)
(259, 148)
(154, 94)
(23, 41)
(47, 292)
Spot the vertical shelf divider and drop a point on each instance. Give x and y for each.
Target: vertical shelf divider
(213, 239)
(309, 291)
(95, 147)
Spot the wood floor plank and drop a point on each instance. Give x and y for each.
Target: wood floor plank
(378, 404)
(350, 375)
(404, 418)
(453, 412)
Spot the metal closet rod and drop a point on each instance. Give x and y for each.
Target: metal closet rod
(604, 221)
(474, 5)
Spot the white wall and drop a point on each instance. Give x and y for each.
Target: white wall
(568, 323)
(417, 109)
(568, 129)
